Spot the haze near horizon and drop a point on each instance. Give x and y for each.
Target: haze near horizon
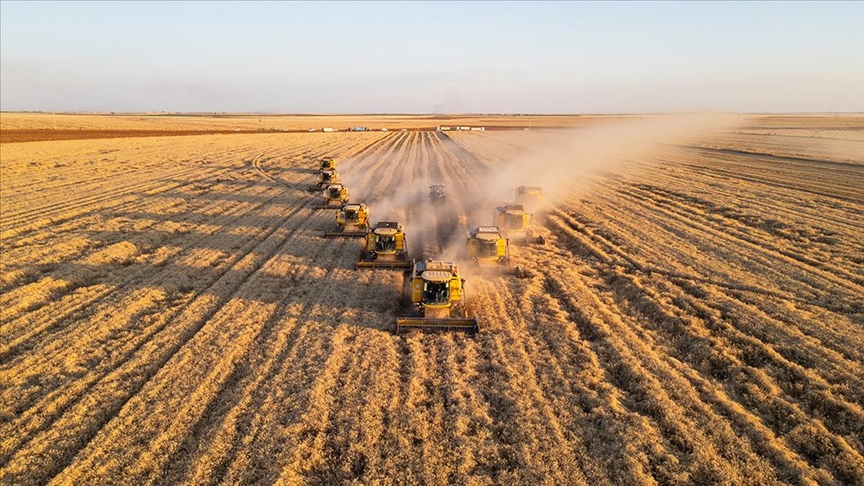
(449, 57)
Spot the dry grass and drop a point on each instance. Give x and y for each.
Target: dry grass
(210, 122)
(170, 315)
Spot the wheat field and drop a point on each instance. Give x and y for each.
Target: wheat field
(170, 314)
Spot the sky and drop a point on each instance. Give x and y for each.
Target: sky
(432, 57)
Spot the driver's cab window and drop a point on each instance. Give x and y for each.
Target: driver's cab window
(488, 248)
(436, 292)
(386, 243)
(514, 220)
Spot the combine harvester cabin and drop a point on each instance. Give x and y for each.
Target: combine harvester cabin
(436, 294)
(327, 163)
(437, 194)
(386, 247)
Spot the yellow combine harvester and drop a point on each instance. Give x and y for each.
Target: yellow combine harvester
(385, 247)
(327, 163)
(353, 221)
(325, 178)
(532, 198)
(490, 252)
(335, 195)
(437, 296)
(515, 223)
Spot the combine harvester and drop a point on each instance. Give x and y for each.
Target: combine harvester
(532, 198)
(437, 296)
(335, 196)
(353, 221)
(327, 163)
(490, 252)
(515, 224)
(325, 178)
(385, 247)
(437, 195)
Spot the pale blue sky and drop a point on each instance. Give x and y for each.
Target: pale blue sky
(415, 57)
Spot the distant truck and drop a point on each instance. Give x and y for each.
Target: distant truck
(358, 129)
(328, 129)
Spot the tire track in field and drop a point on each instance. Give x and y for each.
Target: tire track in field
(247, 255)
(681, 213)
(595, 236)
(101, 194)
(588, 243)
(229, 411)
(81, 203)
(772, 181)
(173, 442)
(365, 177)
(21, 226)
(225, 219)
(171, 435)
(757, 256)
(628, 358)
(780, 403)
(718, 196)
(521, 409)
(841, 472)
(76, 226)
(231, 468)
(287, 360)
(445, 168)
(420, 216)
(56, 318)
(763, 342)
(649, 388)
(52, 318)
(152, 363)
(852, 168)
(299, 434)
(603, 254)
(78, 272)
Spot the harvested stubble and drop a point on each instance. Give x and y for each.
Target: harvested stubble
(169, 315)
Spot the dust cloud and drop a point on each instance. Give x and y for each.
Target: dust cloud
(565, 165)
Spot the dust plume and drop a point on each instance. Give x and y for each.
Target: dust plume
(566, 166)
